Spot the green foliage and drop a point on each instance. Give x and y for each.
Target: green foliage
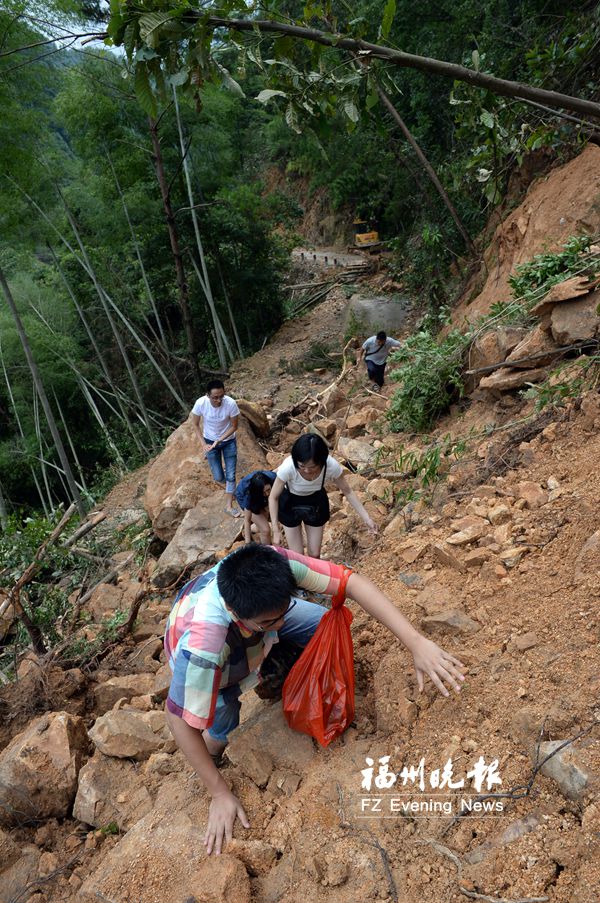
(535, 278)
(430, 378)
(422, 471)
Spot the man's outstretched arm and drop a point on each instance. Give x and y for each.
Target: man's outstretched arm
(428, 657)
(225, 806)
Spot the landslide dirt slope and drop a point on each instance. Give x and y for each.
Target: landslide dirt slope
(517, 603)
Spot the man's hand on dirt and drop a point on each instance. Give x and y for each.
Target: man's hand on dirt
(224, 809)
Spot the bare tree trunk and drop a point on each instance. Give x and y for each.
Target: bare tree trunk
(22, 435)
(3, 514)
(426, 166)
(121, 345)
(228, 305)
(204, 278)
(42, 396)
(70, 441)
(182, 285)
(138, 255)
(99, 355)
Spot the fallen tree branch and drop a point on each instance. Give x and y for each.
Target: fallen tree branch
(84, 529)
(110, 575)
(532, 357)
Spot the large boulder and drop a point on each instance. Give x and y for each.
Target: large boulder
(507, 380)
(576, 321)
(39, 768)
(111, 791)
(264, 744)
(537, 344)
(204, 530)
(357, 451)
(180, 476)
(125, 686)
(256, 415)
(162, 859)
(128, 734)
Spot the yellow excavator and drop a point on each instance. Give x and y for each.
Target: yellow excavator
(365, 237)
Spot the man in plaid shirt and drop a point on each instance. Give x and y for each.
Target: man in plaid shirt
(222, 626)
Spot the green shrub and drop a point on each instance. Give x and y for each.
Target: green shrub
(430, 378)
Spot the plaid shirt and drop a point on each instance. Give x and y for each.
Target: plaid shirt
(208, 650)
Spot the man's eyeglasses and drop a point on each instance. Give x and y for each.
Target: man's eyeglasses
(271, 621)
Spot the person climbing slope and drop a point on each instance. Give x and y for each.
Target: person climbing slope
(375, 351)
(220, 630)
(252, 495)
(215, 417)
(298, 495)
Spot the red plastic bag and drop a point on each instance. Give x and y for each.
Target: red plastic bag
(318, 693)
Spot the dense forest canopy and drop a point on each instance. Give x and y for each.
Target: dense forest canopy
(154, 179)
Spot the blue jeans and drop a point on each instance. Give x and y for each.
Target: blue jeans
(224, 453)
(298, 626)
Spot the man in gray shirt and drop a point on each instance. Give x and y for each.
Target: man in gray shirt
(375, 353)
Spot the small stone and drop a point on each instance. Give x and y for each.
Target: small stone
(564, 769)
(524, 642)
(552, 483)
(532, 493)
(499, 514)
(452, 620)
(466, 536)
(511, 557)
(446, 557)
(476, 558)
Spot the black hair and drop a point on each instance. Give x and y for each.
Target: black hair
(255, 580)
(214, 384)
(256, 494)
(310, 447)
(381, 336)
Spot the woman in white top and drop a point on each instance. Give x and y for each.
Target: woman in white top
(298, 495)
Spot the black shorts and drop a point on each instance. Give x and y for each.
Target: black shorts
(312, 510)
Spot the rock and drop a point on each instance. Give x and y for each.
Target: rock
(380, 489)
(562, 291)
(204, 530)
(590, 411)
(162, 859)
(506, 380)
(357, 451)
(39, 768)
(257, 856)
(412, 551)
(587, 564)
(451, 620)
(493, 346)
(511, 557)
(577, 320)
(264, 743)
(470, 534)
(131, 735)
(532, 493)
(447, 557)
(412, 580)
(20, 874)
(126, 686)
(162, 681)
(333, 399)
(564, 769)
(256, 416)
(476, 558)
(499, 514)
(110, 791)
(356, 424)
(524, 642)
(180, 477)
(9, 851)
(537, 343)
(395, 707)
(283, 783)
(327, 428)
(108, 598)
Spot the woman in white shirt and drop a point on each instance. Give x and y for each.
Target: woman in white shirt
(215, 417)
(298, 495)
